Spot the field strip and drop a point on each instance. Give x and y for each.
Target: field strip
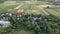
(44, 11)
(53, 12)
(58, 10)
(18, 6)
(11, 8)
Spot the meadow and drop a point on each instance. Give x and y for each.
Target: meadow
(54, 11)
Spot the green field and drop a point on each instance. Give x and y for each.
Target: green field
(54, 11)
(6, 7)
(27, 10)
(32, 8)
(27, 7)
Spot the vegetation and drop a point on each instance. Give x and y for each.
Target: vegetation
(31, 22)
(54, 11)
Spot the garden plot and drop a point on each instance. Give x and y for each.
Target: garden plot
(53, 12)
(25, 23)
(31, 9)
(37, 2)
(35, 9)
(33, 12)
(56, 9)
(5, 8)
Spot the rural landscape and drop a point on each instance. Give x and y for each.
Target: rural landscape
(29, 16)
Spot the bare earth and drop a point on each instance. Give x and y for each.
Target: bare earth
(18, 7)
(20, 10)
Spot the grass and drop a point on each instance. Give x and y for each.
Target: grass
(39, 2)
(5, 8)
(27, 7)
(27, 10)
(54, 11)
(23, 32)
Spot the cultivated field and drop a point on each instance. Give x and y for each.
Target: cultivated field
(54, 11)
(27, 7)
(43, 21)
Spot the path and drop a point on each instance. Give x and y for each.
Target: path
(20, 10)
(18, 6)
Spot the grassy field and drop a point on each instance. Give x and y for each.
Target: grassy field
(23, 32)
(6, 7)
(29, 9)
(54, 11)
